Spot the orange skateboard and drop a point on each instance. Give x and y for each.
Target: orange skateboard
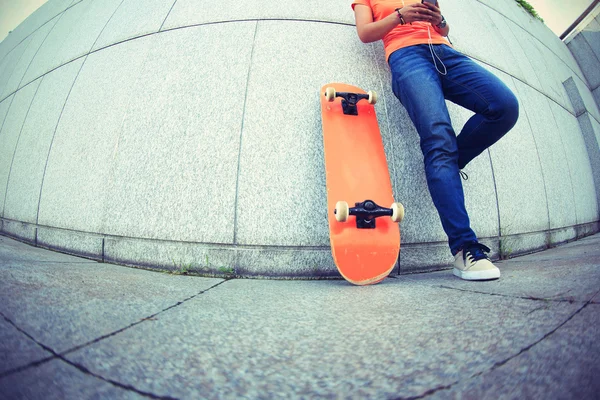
(365, 247)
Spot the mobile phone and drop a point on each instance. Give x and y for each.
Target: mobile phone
(432, 2)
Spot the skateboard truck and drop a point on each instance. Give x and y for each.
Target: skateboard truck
(349, 100)
(366, 213)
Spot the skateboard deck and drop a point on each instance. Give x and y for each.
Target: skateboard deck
(364, 235)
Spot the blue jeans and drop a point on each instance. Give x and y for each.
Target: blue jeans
(422, 90)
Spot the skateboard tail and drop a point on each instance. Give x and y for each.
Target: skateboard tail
(368, 267)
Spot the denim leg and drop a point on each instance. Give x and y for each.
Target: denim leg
(473, 87)
(417, 84)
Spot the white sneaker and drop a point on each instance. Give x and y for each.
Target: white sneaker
(472, 264)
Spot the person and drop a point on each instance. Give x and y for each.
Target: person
(426, 70)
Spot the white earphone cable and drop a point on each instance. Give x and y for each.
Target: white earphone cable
(434, 56)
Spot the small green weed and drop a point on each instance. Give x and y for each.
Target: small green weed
(226, 271)
(181, 268)
(529, 8)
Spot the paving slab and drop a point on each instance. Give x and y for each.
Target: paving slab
(566, 273)
(63, 304)
(59, 380)
(267, 339)
(88, 330)
(565, 365)
(17, 350)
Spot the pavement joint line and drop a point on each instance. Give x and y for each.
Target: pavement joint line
(148, 318)
(57, 262)
(62, 356)
(81, 368)
(503, 362)
(32, 364)
(532, 298)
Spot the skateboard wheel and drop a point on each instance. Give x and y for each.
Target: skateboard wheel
(372, 97)
(341, 211)
(397, 212)
(330, 94)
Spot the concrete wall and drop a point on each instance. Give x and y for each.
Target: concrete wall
(186, 134)
(584, 44)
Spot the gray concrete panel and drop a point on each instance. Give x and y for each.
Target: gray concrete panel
(57, 380)
(282, 337)
(595, 126)
(174, 256)
(521, 197)
(8, 65)
(567, 57)
(194, 12)
(19, 252)
(31, 154)
(47, 11)
(478, 37)
(507, 9)
(73, 36)
(547, 81)
(264, 262)
(4, 107)
(113, 298)
(175, 162)
(560, 50)
(591, 34)
(80, 162)
(134, 18)
(590, 137)
(11, 130)
(552, 78)
(34, 42)
(282, 172)
(550, 148)
(572, 90)
(560, 56)
(519, 63)
(588, 98)
(17, 350)
(19, 230)
(556, 75)
(578, 163)
(81, 244)
(556, 364)
(526, 20)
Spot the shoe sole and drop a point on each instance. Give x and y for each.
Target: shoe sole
(486, 275)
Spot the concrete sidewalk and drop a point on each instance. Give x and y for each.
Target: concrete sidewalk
(72, 328)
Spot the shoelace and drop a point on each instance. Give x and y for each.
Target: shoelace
(476, 251)
(464, 175)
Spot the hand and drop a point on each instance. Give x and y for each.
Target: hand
(422, 12)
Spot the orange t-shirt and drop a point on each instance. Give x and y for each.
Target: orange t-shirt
(402, 35)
